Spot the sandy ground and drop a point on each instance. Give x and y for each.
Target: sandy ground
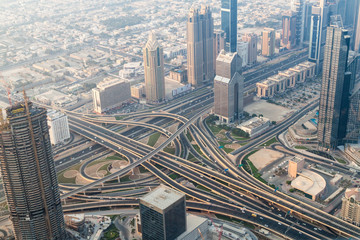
(233, 146)
(71, 173)
(161, 139)
(173, 128)
(263, 157)
(171, 85)
(268, 110)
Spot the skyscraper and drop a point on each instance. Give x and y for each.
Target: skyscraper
(268, 42)
(162, 213)
(298, 6)
(356, 26)
(252, 39)
(154, 70)
(229, 23)
(353, 124)
(319, 23)
(219, 44)
(200, 46)
(307, 21)
(350, 208)
(228, 87)
(29, 176)
(288, 39)
(335, 88)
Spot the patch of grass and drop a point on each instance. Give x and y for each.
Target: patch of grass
(143, 170)
(105, 168)
(268, 143)
(255, 172)
(125, 179)
(115, 157)
(215, 129)
(342, 161)
(188, 135)
(203, 188)
(301, 147)
(153, 139)
(197, 148)
(227, 150)
(111, 233)
(62, 179)
(119, 117)
(170, 150)
(174, 176)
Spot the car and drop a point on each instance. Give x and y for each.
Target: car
(261, 218)
(315, 229)
(266, 225)
(279, 223)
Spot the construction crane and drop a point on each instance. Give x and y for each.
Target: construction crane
(7, 87)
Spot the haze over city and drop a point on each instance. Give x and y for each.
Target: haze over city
(179, 120)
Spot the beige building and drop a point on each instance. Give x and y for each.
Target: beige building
(310, 69)
(219, 44)
(228, 87)
(296, 164)
(280, 83)
(255, 126)
(252, 39)
(310, 183)
(138, 90)
(110, 93)
(268, 42)
(154, 70)
(179, 75)
(350, 209)
(290, 78)
(200, 46)
(266, 89)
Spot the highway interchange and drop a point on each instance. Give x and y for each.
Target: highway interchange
(233, 193)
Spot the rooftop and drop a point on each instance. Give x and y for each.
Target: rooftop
(226, 57)
(109, 82)
(297, 159)
(254, 122)
(162, 197)
(267, 82)
(192, 222)
(309, 182)
(353, 193)
(222, 79)
(53, 114)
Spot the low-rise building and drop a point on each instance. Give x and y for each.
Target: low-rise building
(310, 69)
(109, 94)
(58, 127)
(138, 90)
(350, 209)
(255, 125)
(296, 164)
(290, 78)
(281, 83)
(266, 89)
(310, 183)
(179, 75)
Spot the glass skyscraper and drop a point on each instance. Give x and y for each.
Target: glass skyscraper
(162, 213)
(229, 23)
(335, 89)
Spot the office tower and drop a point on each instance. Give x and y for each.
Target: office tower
(200, 46)
(288, 39)
(154, 70)
(350, 208)
(110, 93)
(251, 38)
(228, 87)
(268, 42)
(319, 23)
(58, 127)
(356, 25)
(162, 213)
(307, 21)
(28, 173)
(335, 86)
(243, 51)
(219, 44)
(229, 23)
(296, 165)
(298, 6)
(353, 124)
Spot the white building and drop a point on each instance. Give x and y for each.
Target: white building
(255, 125)
(110, 93)
(243, 51)
(58, 127)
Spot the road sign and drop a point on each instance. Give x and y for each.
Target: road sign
(240, 165)
(226, 169)
(221, 147)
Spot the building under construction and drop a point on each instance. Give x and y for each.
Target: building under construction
(29, 175)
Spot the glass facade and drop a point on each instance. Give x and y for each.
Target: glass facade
(152, 224)
(229, 23)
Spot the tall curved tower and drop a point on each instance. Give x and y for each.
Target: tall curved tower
(154, 70)
(29, 176)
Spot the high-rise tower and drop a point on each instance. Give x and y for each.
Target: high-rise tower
(335, 89)
(298, 7)
(28, 173)
(200, 46)
(268, 42)
(228, 87)
(319, 23)
(289, 30)
(229, 23)
(154, 70)
(252, 39)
